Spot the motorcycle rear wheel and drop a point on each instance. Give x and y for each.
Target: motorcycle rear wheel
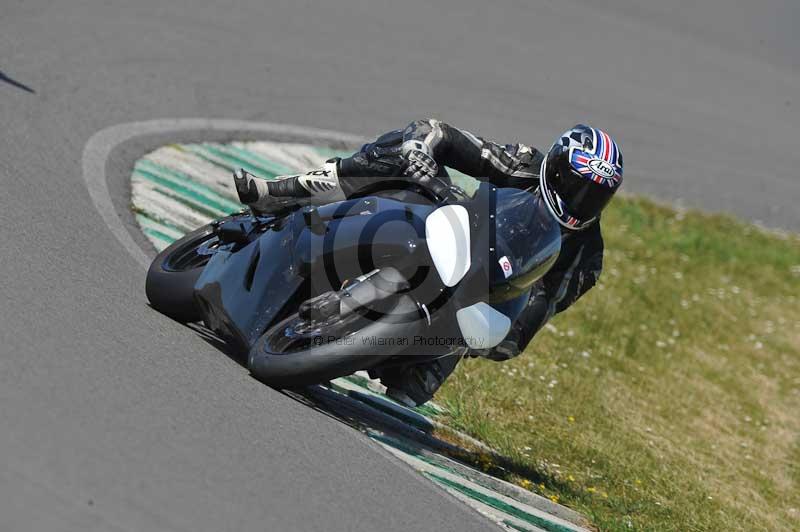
(332, 351)
(174, 272)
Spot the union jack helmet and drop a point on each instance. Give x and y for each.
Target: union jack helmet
(580, 175)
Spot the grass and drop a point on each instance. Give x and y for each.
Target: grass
(668, 398)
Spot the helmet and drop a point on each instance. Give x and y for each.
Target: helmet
(580, 175)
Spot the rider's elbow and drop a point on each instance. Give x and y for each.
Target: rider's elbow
(424, 126)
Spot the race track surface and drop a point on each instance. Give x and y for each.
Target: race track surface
(114, 418)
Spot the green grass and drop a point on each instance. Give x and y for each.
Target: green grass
(668, 398)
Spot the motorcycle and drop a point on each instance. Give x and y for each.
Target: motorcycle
(396, 277)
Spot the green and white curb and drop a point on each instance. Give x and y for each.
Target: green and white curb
(179, 187)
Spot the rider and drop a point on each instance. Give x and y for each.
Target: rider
(577, 177)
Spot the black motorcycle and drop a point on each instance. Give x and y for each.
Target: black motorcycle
(394, 278)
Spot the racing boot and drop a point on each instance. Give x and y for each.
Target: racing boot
(415, 384)
(316, 187)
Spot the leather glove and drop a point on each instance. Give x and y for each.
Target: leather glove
(420, 164)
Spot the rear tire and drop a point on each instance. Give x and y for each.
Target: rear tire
(331, 359)
(173, 274)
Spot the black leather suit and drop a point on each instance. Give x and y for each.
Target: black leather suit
(511, 165)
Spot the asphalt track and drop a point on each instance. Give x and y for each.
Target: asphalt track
(114, 418)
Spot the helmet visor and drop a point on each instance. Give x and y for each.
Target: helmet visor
(583, 198)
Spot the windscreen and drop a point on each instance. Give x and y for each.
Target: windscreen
(527, 240)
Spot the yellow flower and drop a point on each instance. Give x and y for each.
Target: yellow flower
(541, 487)
(554, 498)
(525, 483)
(638, 481)
(571, 478)
(591, 489)
(571, 419)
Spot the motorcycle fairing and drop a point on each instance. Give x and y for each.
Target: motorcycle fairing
(482, 326)
(511, 227)
(242, 291)
(247, 287)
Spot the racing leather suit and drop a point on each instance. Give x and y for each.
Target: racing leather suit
(511, 165)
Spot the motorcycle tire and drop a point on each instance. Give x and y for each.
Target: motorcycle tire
(334, 356)
(173, 273)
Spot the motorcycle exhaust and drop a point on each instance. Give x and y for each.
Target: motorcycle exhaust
(363, 292)
(371, 288)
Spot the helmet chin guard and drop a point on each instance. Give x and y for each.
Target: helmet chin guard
(556, 206)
